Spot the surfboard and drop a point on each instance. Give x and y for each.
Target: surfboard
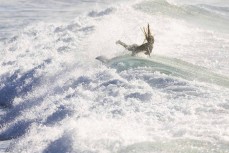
(168, 66)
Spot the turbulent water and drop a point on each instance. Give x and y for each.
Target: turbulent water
(55, 97)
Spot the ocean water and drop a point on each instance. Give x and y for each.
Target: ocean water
(56, 98)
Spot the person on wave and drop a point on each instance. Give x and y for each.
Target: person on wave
(145, 47)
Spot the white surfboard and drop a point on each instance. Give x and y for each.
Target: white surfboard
(166, 65)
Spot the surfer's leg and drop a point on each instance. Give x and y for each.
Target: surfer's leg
(122, 43)
(131, 48)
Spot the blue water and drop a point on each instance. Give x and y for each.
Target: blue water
(55, 97)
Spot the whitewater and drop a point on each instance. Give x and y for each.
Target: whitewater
(55, 97)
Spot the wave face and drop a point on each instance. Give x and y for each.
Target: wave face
(55, 97)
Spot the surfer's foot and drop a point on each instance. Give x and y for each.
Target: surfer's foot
(118, 42)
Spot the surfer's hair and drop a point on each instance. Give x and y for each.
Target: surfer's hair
(147, 33)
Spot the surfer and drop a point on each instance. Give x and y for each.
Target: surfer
(145, 47)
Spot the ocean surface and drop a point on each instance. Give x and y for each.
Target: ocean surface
(55, 97)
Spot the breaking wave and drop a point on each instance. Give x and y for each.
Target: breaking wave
(55, 97)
